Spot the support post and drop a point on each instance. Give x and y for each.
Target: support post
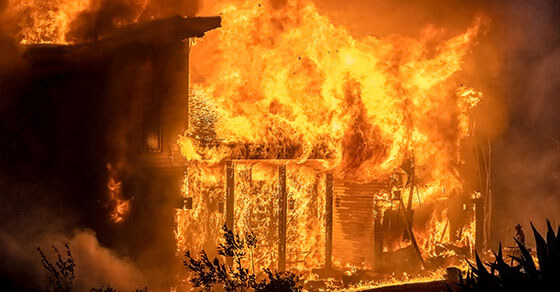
(408, 227)
(377, 238)
(282, 218)
(189, 44)
(479, 224)
(230, 187)
(488, 203)
(329, 221)
(410, 195)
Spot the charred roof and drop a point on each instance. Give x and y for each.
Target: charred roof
(156, 33)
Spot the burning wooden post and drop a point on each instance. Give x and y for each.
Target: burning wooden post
(230, 200)
(408, 227)
(479, 224)
(282, 217)
(377, 237)
(411, 193)
(329, 221)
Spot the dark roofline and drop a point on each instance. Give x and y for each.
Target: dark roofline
(165, 30)
(162, 32)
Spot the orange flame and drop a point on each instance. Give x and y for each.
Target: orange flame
(119, 206)
(285, 83)
(287, 78)
(45, 21)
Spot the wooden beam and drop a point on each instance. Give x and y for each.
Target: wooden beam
(282, 218)
(329, 221)
(230, 199)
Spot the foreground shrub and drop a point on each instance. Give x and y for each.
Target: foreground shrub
(210, 273)
(60, 275)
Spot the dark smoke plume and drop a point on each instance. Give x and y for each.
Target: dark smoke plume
(106, 15)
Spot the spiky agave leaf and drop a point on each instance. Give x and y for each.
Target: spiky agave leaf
(480, 266)
(542, 249)
(553, 264)
(522, 277)
(527, 262)
(481, 276)
(510, 276)
(553, 244)
(501, 266)
(471, 280)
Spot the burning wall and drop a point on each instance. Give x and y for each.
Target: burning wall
(280, 81)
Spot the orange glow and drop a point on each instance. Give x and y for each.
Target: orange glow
(46, 21)
(119, 206)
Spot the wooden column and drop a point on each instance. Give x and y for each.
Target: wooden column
(230, 187)
(282, 218)
(408, 227)
(329, 221)
(377, 237)
(479, 224)
(410, 196)
(189, 42)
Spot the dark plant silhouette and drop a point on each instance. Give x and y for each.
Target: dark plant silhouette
(279, 282)
(210, 273)
(523, 275)
(60, 275)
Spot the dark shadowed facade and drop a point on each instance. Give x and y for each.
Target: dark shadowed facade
(69, 111)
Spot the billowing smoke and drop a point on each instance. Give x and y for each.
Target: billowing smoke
(96, 266)
(527, 152)
(103, 16)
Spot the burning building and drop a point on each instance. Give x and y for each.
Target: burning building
(341, 153)
(338, 152)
